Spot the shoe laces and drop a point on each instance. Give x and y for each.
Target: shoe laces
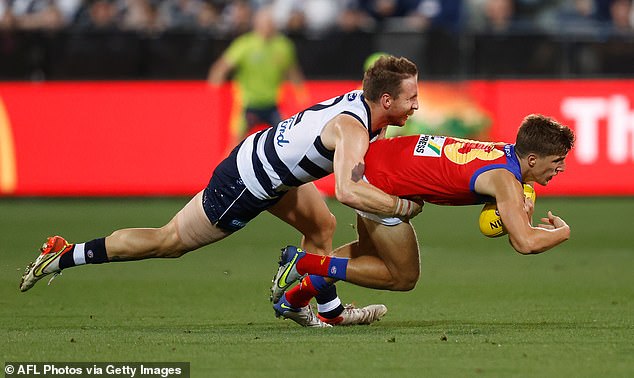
(350, 308)
(308, 313)
(311, 318)
(355, 314)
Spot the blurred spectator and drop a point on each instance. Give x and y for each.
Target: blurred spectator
(127, 15)
(141, 16)
(207, 16)
(499, 15)
(603, 10)
(577, 10)
(297, 21)
(313, 16)
(289, 15)
(615, 52)
(401, 15)
(381, 10)
(353, 18)
(530, 10)
(189, 14)
(446, 14)
(37, 14)
(621, 14)
(577, 17)
(261, 60)
(179, 14)
(492, 16)
(235, 18)
(6, 19)
(99, 15)
(394, 14)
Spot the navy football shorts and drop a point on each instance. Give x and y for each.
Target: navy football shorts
(227, 201)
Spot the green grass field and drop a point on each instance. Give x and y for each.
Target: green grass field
(480, 309)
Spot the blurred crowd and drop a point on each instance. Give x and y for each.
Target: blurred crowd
(233, 17)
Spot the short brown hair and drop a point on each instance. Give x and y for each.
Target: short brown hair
(543, 136)
(386, 75)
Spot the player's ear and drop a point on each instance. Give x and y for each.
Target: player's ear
(386, 100)
(532, 160)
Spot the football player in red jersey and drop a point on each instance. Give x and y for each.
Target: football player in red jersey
(440, 170)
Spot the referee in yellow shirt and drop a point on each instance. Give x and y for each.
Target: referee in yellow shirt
(261, 60)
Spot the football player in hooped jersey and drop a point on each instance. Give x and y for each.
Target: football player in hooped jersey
(273, 170)
(440, 170)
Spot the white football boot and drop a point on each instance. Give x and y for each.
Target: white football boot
(353, 316)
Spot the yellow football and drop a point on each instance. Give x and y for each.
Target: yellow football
(490, 222)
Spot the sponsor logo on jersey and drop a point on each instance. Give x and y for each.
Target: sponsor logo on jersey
(429, 145)
(282, 127)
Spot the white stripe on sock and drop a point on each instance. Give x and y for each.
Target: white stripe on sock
(78, 254)
(325, 307)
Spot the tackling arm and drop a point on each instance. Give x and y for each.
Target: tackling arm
(350, 142)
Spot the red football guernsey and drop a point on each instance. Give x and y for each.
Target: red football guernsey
(441, 170)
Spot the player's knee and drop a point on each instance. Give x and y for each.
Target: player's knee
(168, 243)
(330, 224)
(324, 232)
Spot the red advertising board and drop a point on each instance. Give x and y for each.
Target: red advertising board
(164, 138)
(113, 138)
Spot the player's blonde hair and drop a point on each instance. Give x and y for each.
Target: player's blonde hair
(386, 75)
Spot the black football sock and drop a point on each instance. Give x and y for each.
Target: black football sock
(92, 252)
(328, 303)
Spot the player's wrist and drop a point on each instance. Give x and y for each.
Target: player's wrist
(403, 207)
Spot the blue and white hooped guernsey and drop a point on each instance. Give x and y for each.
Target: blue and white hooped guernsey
(291, 154)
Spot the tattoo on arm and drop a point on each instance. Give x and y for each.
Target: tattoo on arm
(357, 172)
